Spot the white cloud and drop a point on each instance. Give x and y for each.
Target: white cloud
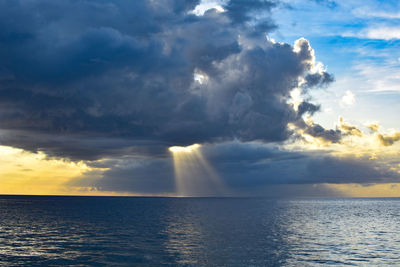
(208, 4)
(385, 33)
(369, 13)
(376, 32)
(348, 99)
(379, 78)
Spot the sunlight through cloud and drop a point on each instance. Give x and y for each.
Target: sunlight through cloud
(194, 176)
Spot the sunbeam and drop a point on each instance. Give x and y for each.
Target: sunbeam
(194, 176)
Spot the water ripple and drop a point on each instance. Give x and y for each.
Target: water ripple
(104, 231)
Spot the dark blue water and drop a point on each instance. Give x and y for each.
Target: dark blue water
(129, 231)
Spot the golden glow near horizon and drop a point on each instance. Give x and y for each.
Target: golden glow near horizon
(193, 174)
(24, 172)
(370, 190)
(376, 145)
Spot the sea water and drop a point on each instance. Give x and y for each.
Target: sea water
(140, 231)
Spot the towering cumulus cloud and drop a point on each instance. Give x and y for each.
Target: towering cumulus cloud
(84, 79)
(114, 83)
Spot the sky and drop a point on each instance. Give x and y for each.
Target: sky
(200, 98)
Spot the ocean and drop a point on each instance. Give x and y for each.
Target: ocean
(146, 231)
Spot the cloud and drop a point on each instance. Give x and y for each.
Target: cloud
(206, 5)
(348, 99)
(379, 78)
(328, 3)
(116, 82)
(245, 169)
(371, 13)
(87, 79)
(26, 173)
(377, 32)
(254, 14)
(374, 127)
(349, 129)
(319, 79)
(388, 140)
(330, 135)
(308, 128)
(380, 75)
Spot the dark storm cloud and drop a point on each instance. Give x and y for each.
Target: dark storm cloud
(241, 10)
(306, 107)
(316, 130)
(253, 165)
(244, 11)
(81, 148)
(146, 176)
(244, 169)
(318, 80)
(80, 78)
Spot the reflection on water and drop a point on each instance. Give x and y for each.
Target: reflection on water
(198, 231)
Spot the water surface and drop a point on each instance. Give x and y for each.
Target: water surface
(127, 231)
